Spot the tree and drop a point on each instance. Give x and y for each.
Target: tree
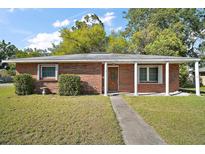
(166, 43)
(183, 75)
(29, 52)
(140, 39)
(86, 36)
(117, 44)
(88, 21)
(201, 50)
(187, 24)
(176, 32)
(7, 50)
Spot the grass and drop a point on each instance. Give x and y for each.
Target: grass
(179, 120)
(54, 119)
(201, 89)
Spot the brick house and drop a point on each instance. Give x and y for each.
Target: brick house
(105, 73)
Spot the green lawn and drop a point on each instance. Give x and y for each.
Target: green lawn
(179, 120)
(54, 119)
(202, 89)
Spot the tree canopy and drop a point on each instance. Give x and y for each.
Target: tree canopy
(7, 50)
(29, 52)
(86, 36)
(166, 43)
(117, 43)
(147, 28)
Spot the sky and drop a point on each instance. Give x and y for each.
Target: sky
(38, 28)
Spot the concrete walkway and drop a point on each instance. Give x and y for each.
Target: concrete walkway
(134, 129)
(6, 84)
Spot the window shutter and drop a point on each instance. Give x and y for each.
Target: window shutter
(160, 78)
(38, 72)
(56, 71)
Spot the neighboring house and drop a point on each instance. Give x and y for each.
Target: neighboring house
(202, 75)
(191, 73)
(104, 73)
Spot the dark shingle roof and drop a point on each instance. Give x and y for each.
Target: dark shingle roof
(103, 57)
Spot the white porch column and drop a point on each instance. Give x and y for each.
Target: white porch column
(135, 79)
(197, 78)
(38, 72)
(167, 78)
(105, 78)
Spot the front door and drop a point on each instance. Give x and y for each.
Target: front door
(112, 79)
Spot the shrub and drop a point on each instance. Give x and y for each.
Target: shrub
(11, 69)
(5, 77)
(183, 75)
(69, 85)
(24, 84)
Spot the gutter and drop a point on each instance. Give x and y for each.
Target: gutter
(104, 60)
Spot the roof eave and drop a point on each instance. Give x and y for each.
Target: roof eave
(182, 60)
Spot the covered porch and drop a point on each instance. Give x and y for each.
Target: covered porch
(148, 78)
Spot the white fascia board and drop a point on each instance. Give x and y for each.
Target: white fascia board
(110, 61)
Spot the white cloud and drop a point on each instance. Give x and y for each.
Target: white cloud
(63, 23)
(107, 18)
(44, 40)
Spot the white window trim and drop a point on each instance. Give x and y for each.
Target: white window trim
(160, 76)
(39, 70)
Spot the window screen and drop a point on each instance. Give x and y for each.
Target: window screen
(48, 72)
(143, 74)
(153, 74)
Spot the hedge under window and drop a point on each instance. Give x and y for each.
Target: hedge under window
(48, 71)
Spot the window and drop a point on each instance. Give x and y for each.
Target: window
(143, 74)
(153, 74)
(150, 74)
(47, 71)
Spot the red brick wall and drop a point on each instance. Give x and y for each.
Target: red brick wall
(51, 85)
(173, 81)
(90, 74)
(174, 77)
(126, 79)
(27, 68)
